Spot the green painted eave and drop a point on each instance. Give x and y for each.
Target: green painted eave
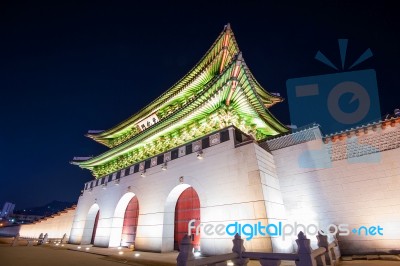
(170, 121)
(207, 68)
(246, 101)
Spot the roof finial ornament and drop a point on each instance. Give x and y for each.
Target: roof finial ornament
(228, 26)
(239, 56)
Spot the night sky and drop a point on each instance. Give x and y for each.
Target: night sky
(67, 68)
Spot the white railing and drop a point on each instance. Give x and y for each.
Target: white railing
(326, 254)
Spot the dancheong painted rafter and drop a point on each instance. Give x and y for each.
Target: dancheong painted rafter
(219, 91)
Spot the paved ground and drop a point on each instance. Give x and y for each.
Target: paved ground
(70, 255)
(19, 256)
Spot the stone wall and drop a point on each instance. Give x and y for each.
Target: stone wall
(9, 230)
(233, 183)
(351, 178)
(54, 226)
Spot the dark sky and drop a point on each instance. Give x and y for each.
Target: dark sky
(67, 68)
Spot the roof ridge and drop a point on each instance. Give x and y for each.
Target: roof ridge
(146, 132)
(364, 126)
(251, 80)
(127, 121)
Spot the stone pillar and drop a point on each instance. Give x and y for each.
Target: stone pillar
(45, 238)
(336, 250)
(239, 248)
(304, 251)
(323, 243)
(185, 257)
(40, 239)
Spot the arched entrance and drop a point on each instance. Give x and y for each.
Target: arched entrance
(90, 228)
(187, 208)
(96, 221)
(130, 223)
(125, 221)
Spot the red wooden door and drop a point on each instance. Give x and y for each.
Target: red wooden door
(130, 223)
(187, 208)
(96, 220)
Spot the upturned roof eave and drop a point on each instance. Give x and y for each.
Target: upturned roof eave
(103, 136)
(273, 99)
(262, 111)
(259, 108)
(156, 127)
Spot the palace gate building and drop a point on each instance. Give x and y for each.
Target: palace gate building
(209, 149)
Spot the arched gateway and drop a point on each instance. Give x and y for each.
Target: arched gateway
(125, 220)
(130, 223)
(187, 208)
(96, 221)
(90, 227)
(189, 132)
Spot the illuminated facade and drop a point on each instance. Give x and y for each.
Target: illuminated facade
(219, 91)
(208, 149)
(172, 157)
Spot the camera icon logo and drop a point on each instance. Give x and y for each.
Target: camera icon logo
(338, 101)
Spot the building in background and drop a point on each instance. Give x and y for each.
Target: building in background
(7, 210)
(32, 214)
(6, 214)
